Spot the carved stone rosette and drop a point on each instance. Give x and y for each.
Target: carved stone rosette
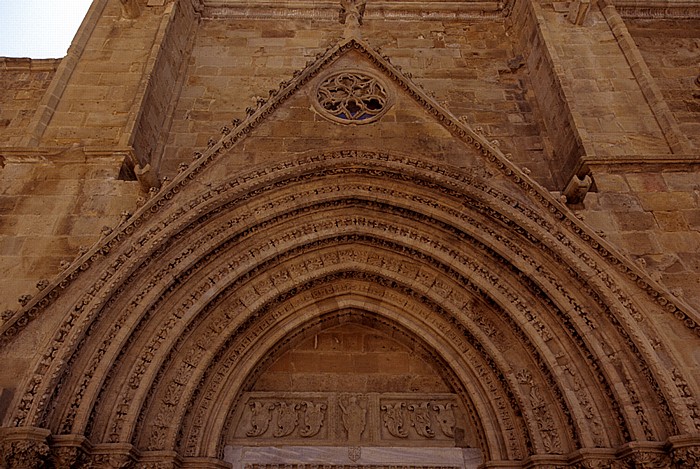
(352, 97)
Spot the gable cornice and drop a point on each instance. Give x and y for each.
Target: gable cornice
(658, 9)
(329, 9)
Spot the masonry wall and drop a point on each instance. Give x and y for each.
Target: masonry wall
(671, 49)
(52, 208)
(350, 358)
(102, 96)
(23, 83)
(471, 68)
(562, 99)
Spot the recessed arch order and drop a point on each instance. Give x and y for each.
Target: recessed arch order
(537, 326)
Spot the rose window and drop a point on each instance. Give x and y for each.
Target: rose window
(352, 97)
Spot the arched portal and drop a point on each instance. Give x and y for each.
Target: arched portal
(352, 387)
(534, 329)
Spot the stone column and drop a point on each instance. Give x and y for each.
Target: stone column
(598, 99)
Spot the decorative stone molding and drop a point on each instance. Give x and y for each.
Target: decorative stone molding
(381, 10)
(658, 9)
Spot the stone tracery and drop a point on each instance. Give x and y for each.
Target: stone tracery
(352, 97)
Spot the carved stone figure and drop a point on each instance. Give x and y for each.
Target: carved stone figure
(445, 418)
(354, 417)
(352, 11)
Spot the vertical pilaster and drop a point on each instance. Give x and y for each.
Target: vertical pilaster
(115, 75)
(597, 100)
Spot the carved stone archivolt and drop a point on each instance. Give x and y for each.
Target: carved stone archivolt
(494, 330)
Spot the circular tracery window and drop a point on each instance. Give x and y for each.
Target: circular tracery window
(352, 98)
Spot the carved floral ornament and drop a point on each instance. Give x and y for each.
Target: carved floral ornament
(352, 97)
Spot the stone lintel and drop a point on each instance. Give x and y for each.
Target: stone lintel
(341, 456)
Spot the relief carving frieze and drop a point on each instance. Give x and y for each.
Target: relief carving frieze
(423, 419)
(338, 418)
(285, 417)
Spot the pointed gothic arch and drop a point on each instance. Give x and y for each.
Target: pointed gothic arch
(541, 327)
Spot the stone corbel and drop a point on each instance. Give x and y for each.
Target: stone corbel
(23, 447)
(146, 176)
(577, 188)
(578, 11)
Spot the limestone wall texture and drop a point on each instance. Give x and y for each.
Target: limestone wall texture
(24, 82)
(472, 68)
(522, 226)
(670, 49)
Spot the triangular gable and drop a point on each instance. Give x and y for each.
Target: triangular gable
(415, 122)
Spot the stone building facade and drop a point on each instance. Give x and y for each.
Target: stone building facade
(311, 233)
